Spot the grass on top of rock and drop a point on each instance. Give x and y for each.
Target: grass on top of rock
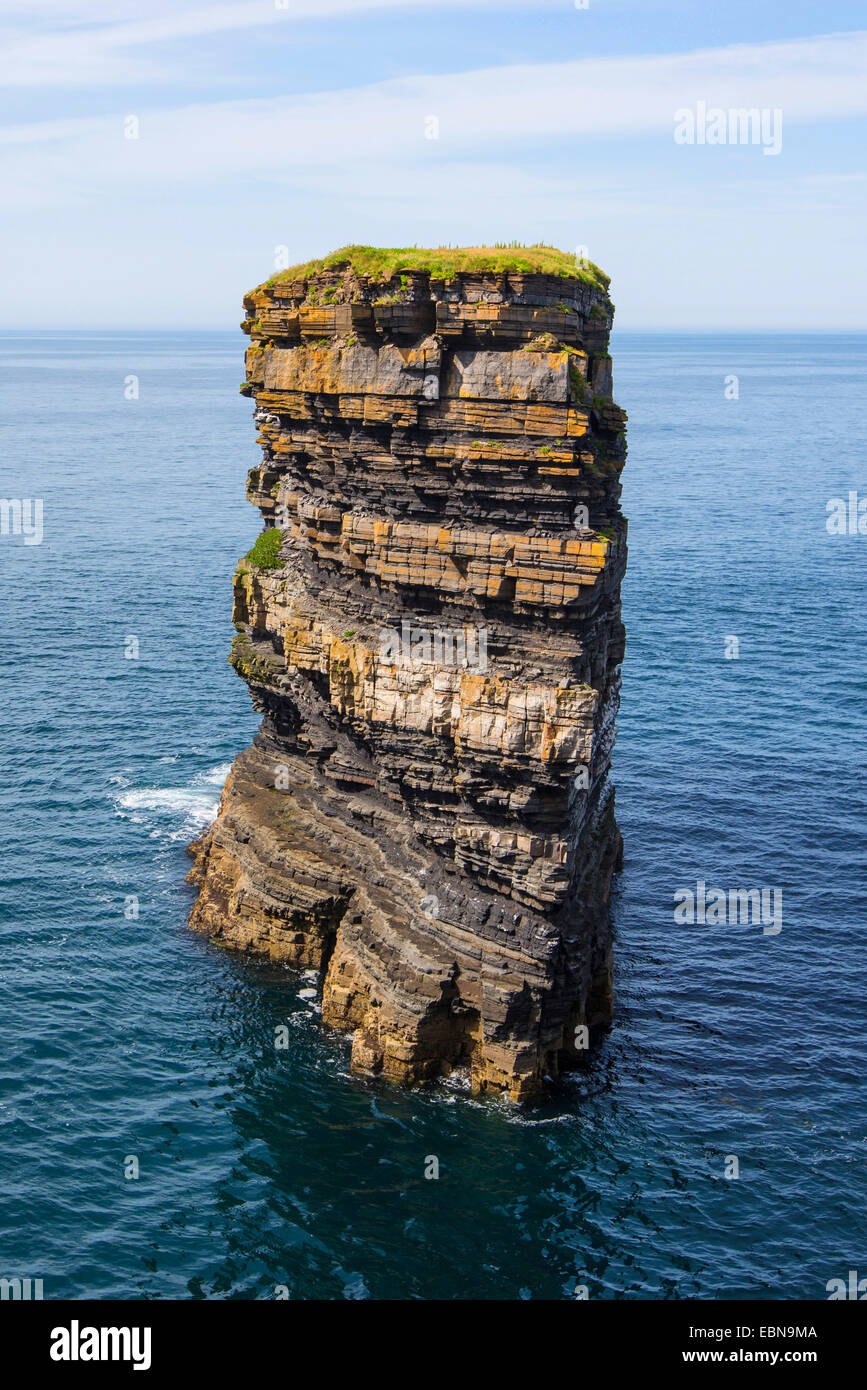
(382, 263)
(265, 554)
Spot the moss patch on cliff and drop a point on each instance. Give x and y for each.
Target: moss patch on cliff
(382, 263)
(265, 554)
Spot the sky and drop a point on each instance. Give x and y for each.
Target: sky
(158, 158)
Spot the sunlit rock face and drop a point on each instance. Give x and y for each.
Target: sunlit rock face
(430, 626)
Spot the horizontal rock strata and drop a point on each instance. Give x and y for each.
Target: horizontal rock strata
(430, 626)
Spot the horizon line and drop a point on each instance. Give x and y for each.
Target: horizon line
(211, 328)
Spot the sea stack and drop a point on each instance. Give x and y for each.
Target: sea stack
(430, 626)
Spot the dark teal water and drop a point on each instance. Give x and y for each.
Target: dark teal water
(260, 1168)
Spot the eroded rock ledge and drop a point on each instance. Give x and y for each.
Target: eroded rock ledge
(430, 626)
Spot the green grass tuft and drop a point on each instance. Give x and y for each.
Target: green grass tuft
(382, 263)
(265, 554)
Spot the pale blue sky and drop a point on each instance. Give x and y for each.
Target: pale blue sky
(264, 123)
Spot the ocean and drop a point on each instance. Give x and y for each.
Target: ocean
(714, 1147)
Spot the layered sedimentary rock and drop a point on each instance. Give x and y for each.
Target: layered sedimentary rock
(430, 626)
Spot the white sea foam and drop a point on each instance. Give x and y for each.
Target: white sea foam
(217, 775)
(197, 805)
(178, 811)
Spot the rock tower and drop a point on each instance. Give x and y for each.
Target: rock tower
(430, 626)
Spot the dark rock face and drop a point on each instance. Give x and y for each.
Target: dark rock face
(434, 641)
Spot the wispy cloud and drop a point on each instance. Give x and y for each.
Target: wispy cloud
(496, 109)
(87, 51)
(172, 226)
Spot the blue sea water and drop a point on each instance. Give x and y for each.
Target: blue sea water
(130, 1037)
